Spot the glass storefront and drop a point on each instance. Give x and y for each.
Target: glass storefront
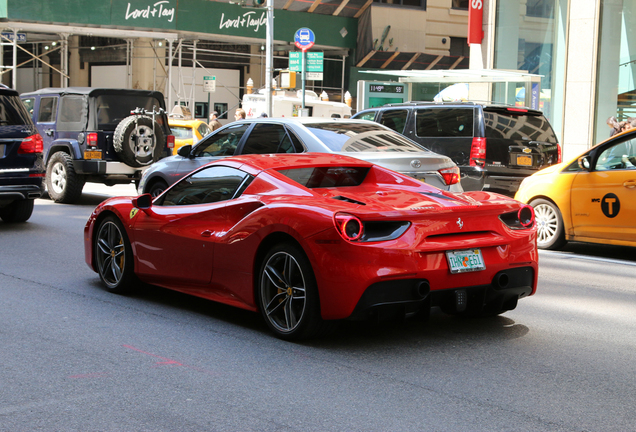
(616, 66)
(530, 36)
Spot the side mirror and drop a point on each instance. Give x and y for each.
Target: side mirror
(142, 201)
(185, 150)
(584, 163)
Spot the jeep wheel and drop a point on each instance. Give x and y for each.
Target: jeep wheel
(64, 185)
(136, 141)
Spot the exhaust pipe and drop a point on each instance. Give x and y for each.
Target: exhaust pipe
(501, 280)
(422, 290)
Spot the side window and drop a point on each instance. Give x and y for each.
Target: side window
(204, 129)
(618, 157)
(366, 116)
(444, 122)
(72, 113)
(223, 143)
(268, 138)
(210, 185)
(298, 145)
(395, 119)
(29, 104)
(48, 110)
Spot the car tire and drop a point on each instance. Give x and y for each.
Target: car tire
(63, 184)
(17, 211)
(550, 231)
(288, 294)
(139, 141)
(157, 188)
(113, 256)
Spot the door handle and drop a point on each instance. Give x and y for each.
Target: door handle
(49, 132)
(206, 233)
(630, 184)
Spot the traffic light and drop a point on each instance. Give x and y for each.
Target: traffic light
(259, 3)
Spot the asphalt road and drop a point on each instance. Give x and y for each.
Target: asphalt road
(76, 358)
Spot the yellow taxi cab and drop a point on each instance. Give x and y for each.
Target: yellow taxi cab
(591, 198)
(187, 132)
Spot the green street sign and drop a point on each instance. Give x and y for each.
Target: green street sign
(314, 61)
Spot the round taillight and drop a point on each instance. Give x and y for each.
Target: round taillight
(349, 226)
(526, 216)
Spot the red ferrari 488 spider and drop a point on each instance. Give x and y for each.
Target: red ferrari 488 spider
(312, 238)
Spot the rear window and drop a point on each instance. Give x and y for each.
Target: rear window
(508, 125)
(444, 122)
(324, 177)
(357, 137)
(181, 132)
(13, 112)
(111, 109)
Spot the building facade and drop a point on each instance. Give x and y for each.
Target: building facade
(584, 50)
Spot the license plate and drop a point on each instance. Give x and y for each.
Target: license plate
(92, 154)
(465, 261)
(524, 160)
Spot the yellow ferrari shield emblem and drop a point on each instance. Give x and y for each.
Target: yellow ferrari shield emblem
(133, 212)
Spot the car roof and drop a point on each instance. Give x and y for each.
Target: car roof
(264, 162)
(462, 104)
(92, 91)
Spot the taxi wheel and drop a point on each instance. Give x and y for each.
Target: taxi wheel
(550, 232)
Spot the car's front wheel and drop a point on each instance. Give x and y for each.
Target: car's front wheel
(113, 256)
(288, 295)
(550, 231)
(17, 211)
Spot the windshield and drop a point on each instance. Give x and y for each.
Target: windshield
(361, 137)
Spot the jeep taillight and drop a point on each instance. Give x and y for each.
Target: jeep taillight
(31, 144)
(170, 141)
(478, 152)
(91, 139)
(559, 153)
(450, 175)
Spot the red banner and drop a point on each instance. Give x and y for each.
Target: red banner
(475, 21)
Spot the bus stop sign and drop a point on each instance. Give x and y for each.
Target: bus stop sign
(304, 39)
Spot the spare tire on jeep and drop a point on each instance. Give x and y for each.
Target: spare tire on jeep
(137, 142)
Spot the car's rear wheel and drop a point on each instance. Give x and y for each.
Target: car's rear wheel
(17, 211)
(288, 295)
(138, 141)
(113, 256)
(550, 231)
(63, 184)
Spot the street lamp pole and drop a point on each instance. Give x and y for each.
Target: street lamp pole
(269, 39)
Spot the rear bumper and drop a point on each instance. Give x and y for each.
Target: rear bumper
(400, 297)
(108, 170)
(477, 179)
(23, 191)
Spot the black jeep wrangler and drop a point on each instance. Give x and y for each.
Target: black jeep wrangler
(98, 135)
